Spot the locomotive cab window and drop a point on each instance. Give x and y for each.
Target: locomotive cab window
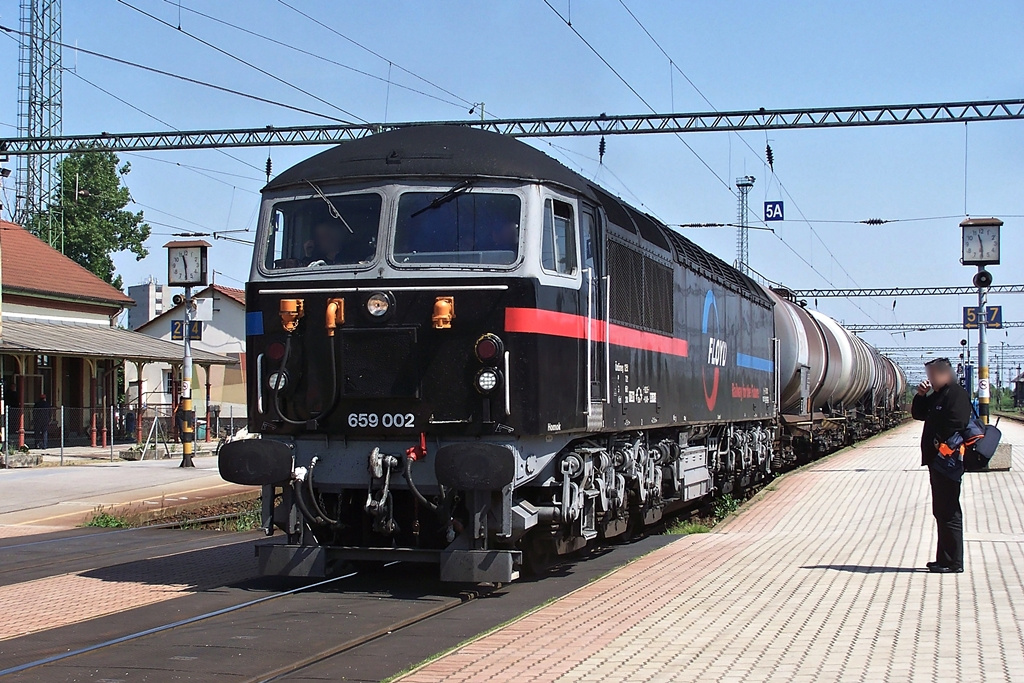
(558, 245)
(462, 227)
(340, 230)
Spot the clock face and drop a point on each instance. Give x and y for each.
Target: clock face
(981, 244)
(185, 266)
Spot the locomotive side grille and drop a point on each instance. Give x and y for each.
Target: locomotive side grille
(642, 290)
(626, 269)
(379, 363)
(658, 286)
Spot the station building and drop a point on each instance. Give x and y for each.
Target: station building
(219, 390)
(59, 337)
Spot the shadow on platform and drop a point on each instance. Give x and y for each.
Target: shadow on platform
(868, 569)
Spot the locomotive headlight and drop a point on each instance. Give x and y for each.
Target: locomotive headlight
(378, 304)
(487, 380)
(277, 380)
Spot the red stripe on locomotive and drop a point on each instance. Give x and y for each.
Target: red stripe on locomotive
(556, 324)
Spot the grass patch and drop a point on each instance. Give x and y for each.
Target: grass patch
(251, 517)
(687, 527)
(108, 521)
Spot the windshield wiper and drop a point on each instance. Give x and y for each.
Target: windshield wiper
(332, 208)
(451, 194)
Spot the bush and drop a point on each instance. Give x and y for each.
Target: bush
(725, 506)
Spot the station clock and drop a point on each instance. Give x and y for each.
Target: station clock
(980, 241)
(187, 263)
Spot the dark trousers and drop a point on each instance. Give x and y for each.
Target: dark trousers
(42, 437)
(949, 518)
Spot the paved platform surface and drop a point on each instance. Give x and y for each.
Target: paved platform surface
(69, 496)
(822, 579)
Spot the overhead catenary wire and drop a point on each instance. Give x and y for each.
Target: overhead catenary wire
(193, 167)
(673, 64)
(635, 92)
(195, 81)
(375, 53)
(314, 55)
(155, 118)
(231, 55)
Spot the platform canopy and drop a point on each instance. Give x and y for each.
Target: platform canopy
(95, 341)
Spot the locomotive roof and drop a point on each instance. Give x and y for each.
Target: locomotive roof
(463, 152)
(431, 151)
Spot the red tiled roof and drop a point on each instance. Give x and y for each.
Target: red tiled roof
(30, 265)
(236, 294)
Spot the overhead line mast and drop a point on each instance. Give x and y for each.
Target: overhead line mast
(569, 126)
(40, 117)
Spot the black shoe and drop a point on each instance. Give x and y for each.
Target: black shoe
(933, 565)
(942, 569)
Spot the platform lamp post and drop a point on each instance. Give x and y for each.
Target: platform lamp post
(981, 248)
(187, 267)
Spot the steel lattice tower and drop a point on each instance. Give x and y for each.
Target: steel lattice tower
(743, 184)
(39, 115)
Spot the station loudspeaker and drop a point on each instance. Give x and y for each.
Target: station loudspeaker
(179, 299)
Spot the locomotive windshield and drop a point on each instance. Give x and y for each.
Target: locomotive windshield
(340, 230)
(463, 227)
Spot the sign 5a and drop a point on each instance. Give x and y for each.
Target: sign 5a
(773, 211)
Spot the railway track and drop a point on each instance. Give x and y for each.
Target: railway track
(382, 620)
(271, 673)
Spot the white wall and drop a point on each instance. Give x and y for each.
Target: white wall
(12, 311)
(224, 335)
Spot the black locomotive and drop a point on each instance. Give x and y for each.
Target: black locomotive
(459, 351)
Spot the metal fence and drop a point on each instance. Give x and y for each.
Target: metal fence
(52, 429)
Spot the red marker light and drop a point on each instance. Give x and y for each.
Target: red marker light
(275, 351)
(489, 348)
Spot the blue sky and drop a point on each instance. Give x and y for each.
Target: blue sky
(522, 60)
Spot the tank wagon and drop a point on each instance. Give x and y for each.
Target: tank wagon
(461, 352)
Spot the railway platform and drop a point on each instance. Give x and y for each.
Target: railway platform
(820, 578)
(63, 497)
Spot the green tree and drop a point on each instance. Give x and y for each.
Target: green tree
(96, 224)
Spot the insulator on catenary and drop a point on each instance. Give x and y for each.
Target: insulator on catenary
(270, 165)
(770, 156)
(601, 147)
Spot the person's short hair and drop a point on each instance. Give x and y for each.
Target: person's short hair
(939, 363)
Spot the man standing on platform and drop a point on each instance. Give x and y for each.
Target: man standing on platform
(945, 408)
(41, 414)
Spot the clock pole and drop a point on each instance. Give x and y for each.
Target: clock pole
(981, 248)
(188, 424)
(983, 387)
(187, 267)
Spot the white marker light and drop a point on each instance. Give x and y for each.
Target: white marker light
(278, 381)
(378, 304)
(486, 380)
